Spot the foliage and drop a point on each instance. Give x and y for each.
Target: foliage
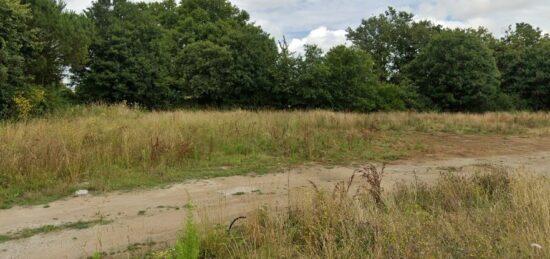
(393, 39)
(128, 61)
(243, 73)
(522, 57)
(537, 76)
(207, 53)
(456, 72)
(351, 79)
(15, 36)
(62, 41)
(205, 68)
(188, 245)
(289, 70)
(39, 40)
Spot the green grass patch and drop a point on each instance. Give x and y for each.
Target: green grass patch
(29, 232)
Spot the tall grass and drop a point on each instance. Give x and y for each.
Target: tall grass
(483, 215)
(112, 147)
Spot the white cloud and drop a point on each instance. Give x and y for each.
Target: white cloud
(300, 18)
(321, 37)
(492, 14)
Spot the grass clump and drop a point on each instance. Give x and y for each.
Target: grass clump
(115, 147)
(489, 214)
(29, 232)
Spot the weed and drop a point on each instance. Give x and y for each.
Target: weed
(98, 255)
(374, 179)
(188, 245)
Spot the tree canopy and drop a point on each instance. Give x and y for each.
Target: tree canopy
(393, 39)
(207, 53)
(456, 72)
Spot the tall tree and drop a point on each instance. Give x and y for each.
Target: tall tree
(127, 57)
(456, 72)
(204, 70)
(535, 87)
(352, 82)
(311, 89)
(286, 77)
(393, 39)
(253, 52)
(517, 59)
(15, 37)
(63, 39)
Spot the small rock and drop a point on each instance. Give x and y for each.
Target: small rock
(81, 193)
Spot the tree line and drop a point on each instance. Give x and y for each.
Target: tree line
(207, 53)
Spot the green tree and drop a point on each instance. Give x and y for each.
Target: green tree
(166, 13)
(205, 69)
(253, 53)
(536, 74)
(517, 59)
(456, 72)
(286, 78)
(15, 37)
(393, 39)
(128, 57)
(311, 89)
(61, 44)
(351, 81)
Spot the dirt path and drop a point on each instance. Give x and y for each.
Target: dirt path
(156, 216)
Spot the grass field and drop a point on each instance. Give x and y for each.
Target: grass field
(103, 148)
(490, 213)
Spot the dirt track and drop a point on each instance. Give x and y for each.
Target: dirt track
(157, 215)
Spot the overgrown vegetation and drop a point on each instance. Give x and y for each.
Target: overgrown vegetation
(188, 245)
(207, 53)
(102, 148)
(490, 213)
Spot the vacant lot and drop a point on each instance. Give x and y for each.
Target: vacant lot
(122, 224)
(102, 148)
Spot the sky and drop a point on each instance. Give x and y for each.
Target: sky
(323, 22)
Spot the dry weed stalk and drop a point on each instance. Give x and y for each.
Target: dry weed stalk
(374, 179)
(342, 188)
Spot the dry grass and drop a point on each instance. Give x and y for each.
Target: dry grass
(105, 148)
(489, 214)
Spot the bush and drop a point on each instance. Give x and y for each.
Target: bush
(456, 72)
(391, 97)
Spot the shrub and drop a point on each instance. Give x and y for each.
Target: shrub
(456, 72)
(188, 245)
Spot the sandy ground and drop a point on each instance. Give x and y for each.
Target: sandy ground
(157, 215)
